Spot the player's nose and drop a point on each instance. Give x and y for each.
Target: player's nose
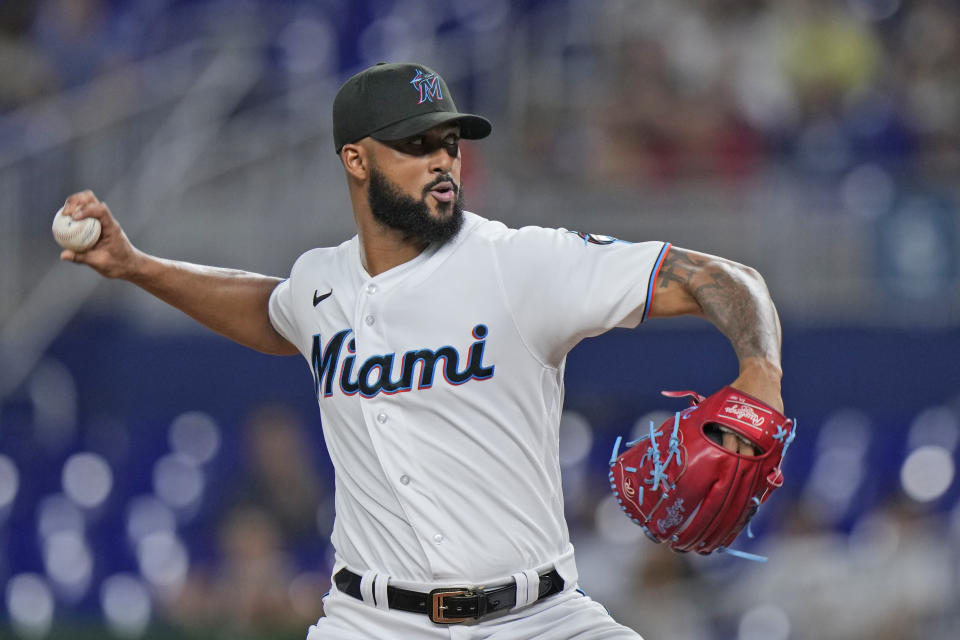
(441, 161)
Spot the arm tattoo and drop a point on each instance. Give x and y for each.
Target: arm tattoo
(733, 299)
(678, 266)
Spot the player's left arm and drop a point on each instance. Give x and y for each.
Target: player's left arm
(734, 297)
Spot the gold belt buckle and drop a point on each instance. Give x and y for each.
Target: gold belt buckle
(437, 596)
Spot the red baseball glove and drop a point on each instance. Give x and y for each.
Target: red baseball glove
(684, 488)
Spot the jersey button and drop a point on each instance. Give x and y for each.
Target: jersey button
(404, 479)
(382, 418)
(371, 288)
(438, 538)
(369, 320)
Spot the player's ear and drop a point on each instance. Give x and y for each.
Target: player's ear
(355, 160)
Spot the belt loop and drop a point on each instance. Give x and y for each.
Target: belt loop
(533, 585)
(521, 580)
(528, 587)
(366, 587)
(380, 591)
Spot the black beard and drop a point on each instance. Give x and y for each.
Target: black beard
(411, 217)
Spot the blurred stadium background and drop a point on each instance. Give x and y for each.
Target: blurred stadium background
(157, 481)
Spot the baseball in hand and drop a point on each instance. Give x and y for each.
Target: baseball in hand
(75, 235)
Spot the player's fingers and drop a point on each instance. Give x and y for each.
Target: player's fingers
(747, 449)
(78, 201)
(70, 256)
(98, 210)
(730, 442)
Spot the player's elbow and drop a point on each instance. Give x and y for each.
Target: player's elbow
(721, 282)
(737, 272)
(749, 275)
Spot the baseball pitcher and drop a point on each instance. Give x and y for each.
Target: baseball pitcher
(437, 341)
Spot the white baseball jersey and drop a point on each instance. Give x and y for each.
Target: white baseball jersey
(440, 385)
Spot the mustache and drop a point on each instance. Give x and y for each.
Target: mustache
(444, 178)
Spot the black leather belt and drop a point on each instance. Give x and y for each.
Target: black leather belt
(451, 605)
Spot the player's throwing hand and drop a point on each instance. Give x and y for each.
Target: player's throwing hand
(113, 256)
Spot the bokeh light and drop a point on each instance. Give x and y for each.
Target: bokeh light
(178, 481)
(920, 249)
(927, 473)
(68, 563)
(9, 484)
(126, 605)
(145, 515)
(87, 479)
(764, 622)
(834, 480)
(57, 513)
(30, 605)
(195, 435)
(164, 562)
(935, 426)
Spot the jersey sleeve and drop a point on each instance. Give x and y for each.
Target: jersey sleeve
(563, 286)
(282, 315)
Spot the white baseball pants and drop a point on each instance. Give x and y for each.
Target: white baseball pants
(569, 615)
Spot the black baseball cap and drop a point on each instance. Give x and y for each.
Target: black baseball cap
(393, 101)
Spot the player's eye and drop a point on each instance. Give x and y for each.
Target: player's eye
(423, 144)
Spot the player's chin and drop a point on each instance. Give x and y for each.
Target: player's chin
(440, 210)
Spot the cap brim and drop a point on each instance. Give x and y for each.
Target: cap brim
(471, 127)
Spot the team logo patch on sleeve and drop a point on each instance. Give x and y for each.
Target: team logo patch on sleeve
(594, 238)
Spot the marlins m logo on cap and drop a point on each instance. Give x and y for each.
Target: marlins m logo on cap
(428, 84)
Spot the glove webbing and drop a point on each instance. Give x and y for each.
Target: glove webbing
(652, 453)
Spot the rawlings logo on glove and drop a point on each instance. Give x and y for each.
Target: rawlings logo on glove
(683, 487)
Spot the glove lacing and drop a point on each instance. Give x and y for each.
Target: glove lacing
(652, 454)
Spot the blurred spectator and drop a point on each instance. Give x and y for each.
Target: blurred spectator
(691, 90)
(831, 53)
(890, 579)
(669, 599)
(261, 579)
(280, 475)
(251, 591)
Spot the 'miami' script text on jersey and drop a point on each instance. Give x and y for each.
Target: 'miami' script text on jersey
(325, 362)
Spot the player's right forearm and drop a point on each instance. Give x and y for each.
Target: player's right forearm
(233, 303)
